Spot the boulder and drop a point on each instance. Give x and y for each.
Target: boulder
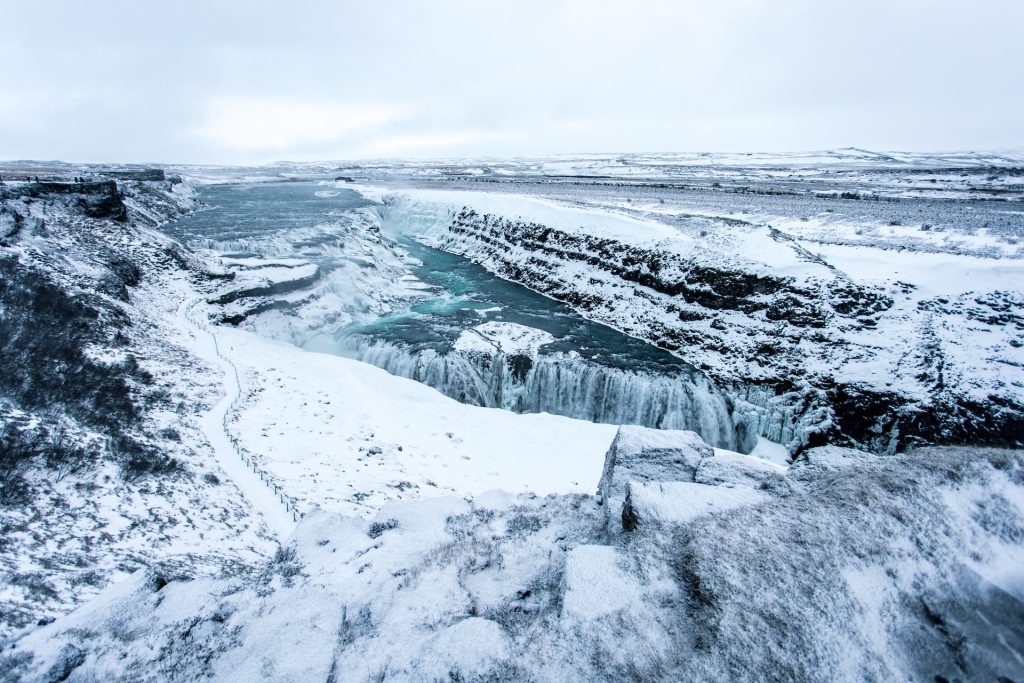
(639, 454)
(671, 477)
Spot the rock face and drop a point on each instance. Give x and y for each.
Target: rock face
(849, 566)
(94, 199)
(812, 358)
(143, 175)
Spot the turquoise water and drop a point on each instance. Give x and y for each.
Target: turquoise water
(470, 293)
(239, 213)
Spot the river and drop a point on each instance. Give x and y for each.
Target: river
(472, 335)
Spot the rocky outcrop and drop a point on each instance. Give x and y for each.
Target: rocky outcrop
(665, 476)
(95, 199)
(268, 288)
(141, 175)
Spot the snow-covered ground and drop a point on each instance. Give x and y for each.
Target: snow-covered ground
(84, 525)
(348, 437)
(950, 175)
(849, 567)
(426, 539)
(259, 432)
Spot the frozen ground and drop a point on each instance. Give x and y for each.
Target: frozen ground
(958, 175)
(345, 436)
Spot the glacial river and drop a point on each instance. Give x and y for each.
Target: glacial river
(577, 368)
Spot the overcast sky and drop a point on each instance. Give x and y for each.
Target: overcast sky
(241, 82)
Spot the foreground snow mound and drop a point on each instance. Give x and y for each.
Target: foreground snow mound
(849, 566)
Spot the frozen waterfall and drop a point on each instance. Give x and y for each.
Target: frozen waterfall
(566, 384)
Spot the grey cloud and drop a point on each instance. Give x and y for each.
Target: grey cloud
(145, 81)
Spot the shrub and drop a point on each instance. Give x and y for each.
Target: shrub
(44, 334)
(138, 460)
(378, 528)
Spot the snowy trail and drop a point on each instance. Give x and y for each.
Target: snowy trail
(278, 514)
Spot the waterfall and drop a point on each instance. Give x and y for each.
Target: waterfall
(566, 384)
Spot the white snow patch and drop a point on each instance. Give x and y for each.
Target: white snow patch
(346, 436)
(678, 502)
(595, 585)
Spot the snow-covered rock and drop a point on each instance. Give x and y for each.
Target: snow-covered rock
(669, 477)
(511, 339)
(677, 502)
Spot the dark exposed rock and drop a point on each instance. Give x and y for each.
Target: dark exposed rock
(272, 289)
(796, 312)
(69, 659)
(98, 199)
(145, 175)
(261, 307)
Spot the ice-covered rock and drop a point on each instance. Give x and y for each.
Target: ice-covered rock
(734, 469)
(672, 503)
(641, 454)
(826, 459)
